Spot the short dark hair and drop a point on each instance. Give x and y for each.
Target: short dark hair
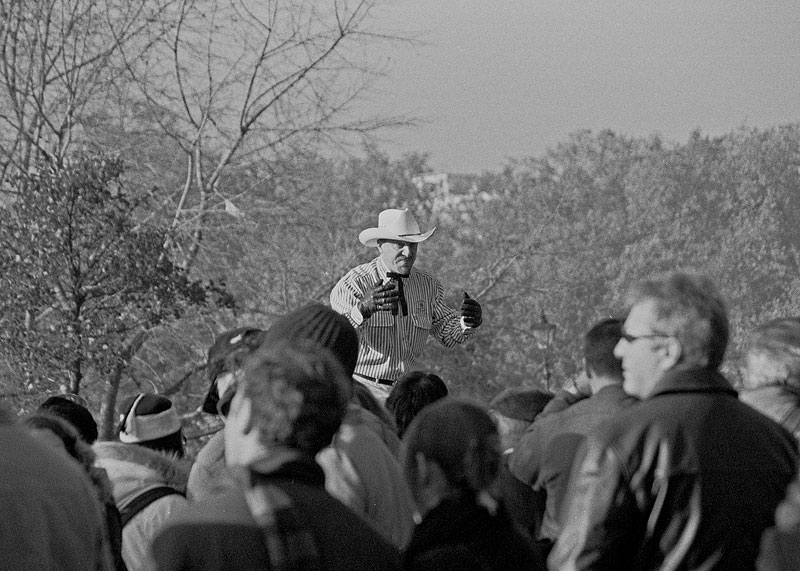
(598, 348)
(73, 412)
(410, 394)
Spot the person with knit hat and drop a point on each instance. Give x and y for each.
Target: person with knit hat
(451, 460)
(360, 467)
(147, 473)
(394, 307)
(514, 409)
(290, 398)
(209, 474)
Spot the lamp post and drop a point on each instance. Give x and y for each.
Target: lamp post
(544, 332)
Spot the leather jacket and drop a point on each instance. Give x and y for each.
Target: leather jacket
(687, 479)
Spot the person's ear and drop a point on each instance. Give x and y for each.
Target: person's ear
(241, 414)
(672, 351)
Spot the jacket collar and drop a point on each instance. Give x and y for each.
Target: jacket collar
(693, 380)
(132, 468)
(611, 392)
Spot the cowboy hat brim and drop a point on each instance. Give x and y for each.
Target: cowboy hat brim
(370, 236)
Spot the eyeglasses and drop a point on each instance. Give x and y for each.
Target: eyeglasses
(631, 338)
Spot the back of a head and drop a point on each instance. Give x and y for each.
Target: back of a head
(689, 308)
(69, 437)
(773, 354)
(460, 437)
(74, 412)
(410, 394)
(151, 421)
(598, 349)
(298, 392)
(322, 325)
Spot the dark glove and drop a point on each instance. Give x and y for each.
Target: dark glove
(382, 297)
(471, 311)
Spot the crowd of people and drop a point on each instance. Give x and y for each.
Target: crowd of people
(335, 453)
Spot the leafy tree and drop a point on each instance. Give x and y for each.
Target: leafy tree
(83, 279)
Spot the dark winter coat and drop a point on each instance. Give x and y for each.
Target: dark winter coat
(459, 534)
(220, 534)
(687, 479)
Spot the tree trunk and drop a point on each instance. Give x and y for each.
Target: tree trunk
(75, 377)
(108, 408)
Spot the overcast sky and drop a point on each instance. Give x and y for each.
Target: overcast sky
(510, 78)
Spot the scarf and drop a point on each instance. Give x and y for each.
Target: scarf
(290, 544)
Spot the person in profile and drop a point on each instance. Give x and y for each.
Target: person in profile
(290, 400)
(688, 478)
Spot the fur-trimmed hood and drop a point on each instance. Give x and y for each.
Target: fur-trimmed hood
(131, 468)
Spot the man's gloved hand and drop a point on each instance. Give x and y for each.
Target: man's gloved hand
(382, 297)
(471, 311)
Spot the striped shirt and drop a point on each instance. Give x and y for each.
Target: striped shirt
(391, 345)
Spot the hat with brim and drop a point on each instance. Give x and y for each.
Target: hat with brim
(395, 224)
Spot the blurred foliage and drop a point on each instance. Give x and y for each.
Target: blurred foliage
(557, 238)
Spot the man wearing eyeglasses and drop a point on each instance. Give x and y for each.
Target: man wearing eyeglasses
(690, 477)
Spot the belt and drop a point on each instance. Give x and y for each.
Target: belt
(386, 382)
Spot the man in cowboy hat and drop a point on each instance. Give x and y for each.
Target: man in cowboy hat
(395, 307)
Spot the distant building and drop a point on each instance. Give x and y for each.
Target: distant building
(439, 181)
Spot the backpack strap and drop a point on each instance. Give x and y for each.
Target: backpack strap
(143, 500)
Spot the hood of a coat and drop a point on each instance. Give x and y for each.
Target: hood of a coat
(131, 468)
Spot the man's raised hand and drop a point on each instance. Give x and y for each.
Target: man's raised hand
(382, 297)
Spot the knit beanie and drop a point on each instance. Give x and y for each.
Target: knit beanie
(69, 409)
(151, 421)
(226, 355)
(322, 325)
(521, 403)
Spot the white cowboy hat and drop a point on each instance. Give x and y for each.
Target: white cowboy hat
(395, 224)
